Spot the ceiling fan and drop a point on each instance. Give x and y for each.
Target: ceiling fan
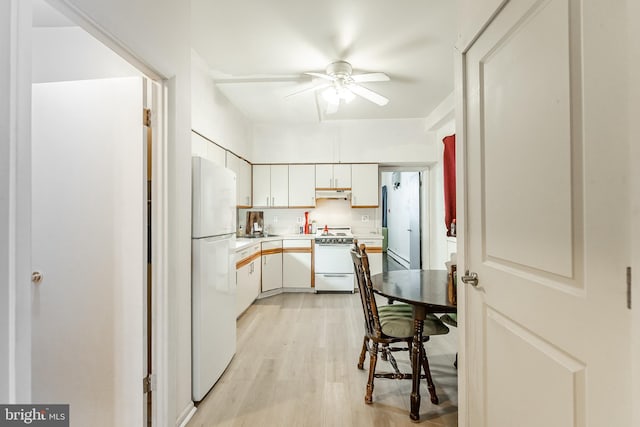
(339, 84)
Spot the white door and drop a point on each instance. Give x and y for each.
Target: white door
(547, 329)
(261, 186)
(88, 242)
(302, 186)
(280, 185)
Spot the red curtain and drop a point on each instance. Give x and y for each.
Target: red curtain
(449, 166)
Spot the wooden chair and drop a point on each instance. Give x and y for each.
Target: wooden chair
(388, 325)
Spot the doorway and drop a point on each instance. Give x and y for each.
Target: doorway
(94, 121)
(402, 218)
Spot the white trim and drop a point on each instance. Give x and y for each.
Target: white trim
(633, 8)
(461, 230)
(20, 202)
(186, 415)
(160, 262)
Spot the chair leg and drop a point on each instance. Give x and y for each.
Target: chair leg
(427, 372)
(363, 353)
(384, 352)
(456, 362)
(373, 358)
(391, 360)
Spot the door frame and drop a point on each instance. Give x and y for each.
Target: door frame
(424, 204)
(19, 301)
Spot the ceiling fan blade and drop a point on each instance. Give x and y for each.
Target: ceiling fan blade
(370, 77)
(332, 107)
(322, 76)
(309, 88)
(368, 94)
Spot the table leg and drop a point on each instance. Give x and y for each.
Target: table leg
(419, 315)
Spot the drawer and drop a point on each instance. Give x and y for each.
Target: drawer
(247, 252)
(371, 245)
(274, 244)
(296, 243)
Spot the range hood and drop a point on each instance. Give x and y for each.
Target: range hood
(333, 194)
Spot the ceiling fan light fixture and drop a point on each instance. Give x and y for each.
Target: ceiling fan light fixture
(336, 93)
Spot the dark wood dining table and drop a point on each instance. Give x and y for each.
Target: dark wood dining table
(426, 291)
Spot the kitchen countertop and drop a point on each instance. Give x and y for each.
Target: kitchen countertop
(243, 242)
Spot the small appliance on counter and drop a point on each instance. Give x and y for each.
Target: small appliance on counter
(255, 224)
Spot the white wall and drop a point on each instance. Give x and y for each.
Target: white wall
(70, 53)
(377, 141)
(213, 116)
(439, 248)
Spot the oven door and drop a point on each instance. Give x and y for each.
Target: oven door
(333, 259)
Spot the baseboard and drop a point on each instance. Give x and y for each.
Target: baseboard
(186, 415)
(400, 260)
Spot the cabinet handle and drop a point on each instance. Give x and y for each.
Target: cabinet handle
(267, 201)
(248, 200)
(264, 260)
(273, 201)
(335, 182)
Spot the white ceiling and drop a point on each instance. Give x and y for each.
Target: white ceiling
(269, 44)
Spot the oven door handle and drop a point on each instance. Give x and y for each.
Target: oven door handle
(335, 275)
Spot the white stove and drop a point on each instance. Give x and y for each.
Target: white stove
(333, 263)
(335, 236)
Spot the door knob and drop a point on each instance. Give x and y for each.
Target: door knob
(470, 278)
(36, 277)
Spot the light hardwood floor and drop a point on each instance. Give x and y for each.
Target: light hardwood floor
(295, 365)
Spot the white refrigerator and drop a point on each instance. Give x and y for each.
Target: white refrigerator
(213, 284)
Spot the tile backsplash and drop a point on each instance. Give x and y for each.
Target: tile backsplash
(333, 212)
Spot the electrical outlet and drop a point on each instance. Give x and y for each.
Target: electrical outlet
(299, 220)
(365, 218)
(275, 219)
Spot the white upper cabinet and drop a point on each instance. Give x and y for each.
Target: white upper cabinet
(302, 186)
(333, 176)
(242, 168)
(364, 185)
(270, 186)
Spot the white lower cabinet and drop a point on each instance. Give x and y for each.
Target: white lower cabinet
(271, 265)
(374, 253)
(296, 263)
(248, 277)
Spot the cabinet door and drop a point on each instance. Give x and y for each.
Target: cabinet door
(242, 168)
(341, 176)
(271, 272)
(255, 280)
(296, 270)
(302, 186)
(243, 286)
(364, 185)
(261, 186)
(280, 185)
(374, 251)
(296, 264)
(324, 176)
